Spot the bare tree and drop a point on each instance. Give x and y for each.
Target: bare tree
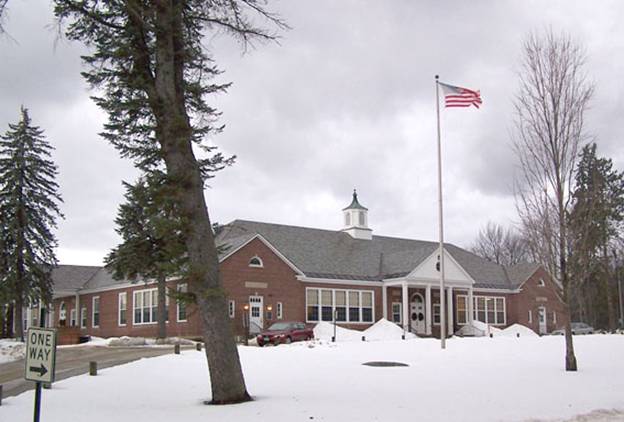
(505, 247)
(549, 118)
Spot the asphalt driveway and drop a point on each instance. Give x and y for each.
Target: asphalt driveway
(72, 361)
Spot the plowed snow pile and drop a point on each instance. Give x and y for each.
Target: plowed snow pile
(11, 350)
(514, 330)
(381, 330)
(385, 330)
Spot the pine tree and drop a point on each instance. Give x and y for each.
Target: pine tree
(152, 245)
(595, 222)
(153, 74)
(29, 206)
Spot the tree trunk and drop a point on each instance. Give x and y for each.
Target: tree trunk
(19, 317)
(162, 308)
(9, 320)
(570, 358)
(606, 285)
(227, 382)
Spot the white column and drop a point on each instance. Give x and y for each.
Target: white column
(428, 311)
(470, 306)
(405, 307)
(384, 300)
(78, 316)
(450, 310)
(28, 317)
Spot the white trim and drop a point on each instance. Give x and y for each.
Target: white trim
(488, 290)
(457, 283)
(73, 321)
(305, 279)
(530, 317)
(119, 296)
(182, 287)
(485, 298)
(541, 282)
(268, 244)
(260, 265)
(93, 311)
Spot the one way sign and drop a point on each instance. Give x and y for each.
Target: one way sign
(40, 355)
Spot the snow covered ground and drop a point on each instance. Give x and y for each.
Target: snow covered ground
(474, 379)
(11, 350)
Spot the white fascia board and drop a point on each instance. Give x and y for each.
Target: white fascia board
(488, 290)
(305, 279)
(270, 246)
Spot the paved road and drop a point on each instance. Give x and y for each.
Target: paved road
(72, 361)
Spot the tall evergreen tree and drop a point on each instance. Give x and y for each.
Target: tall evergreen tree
(154, 76)
(595, 223)
(152, 245)
(29, 206)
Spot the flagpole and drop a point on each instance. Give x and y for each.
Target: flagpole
(441, 247)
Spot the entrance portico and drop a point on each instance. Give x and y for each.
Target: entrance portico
(420, 293)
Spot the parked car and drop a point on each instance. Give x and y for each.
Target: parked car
(285, 333)
(577, 328)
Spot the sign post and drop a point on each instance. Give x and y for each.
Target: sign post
(40, 361)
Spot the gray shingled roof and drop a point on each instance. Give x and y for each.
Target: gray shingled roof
(519, 273)
(72, 277)
(336, 255)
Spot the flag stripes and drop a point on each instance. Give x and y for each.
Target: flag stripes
(456, 96)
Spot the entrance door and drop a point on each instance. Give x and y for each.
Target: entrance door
(256, 322)
(417, 314)
(541, 315)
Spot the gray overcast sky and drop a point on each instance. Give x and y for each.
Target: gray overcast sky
(346, 100)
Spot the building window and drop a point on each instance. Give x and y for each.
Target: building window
(326, 305)
(530, 317)
(436, 314)
(554, 317)
(343, 305)
(540, 282)
(462, 310)
(362, 219)
(397, 312)
(256, 262)
(95, 312)
(83, 317)
(232, 308)
(181, 303)
(367, 306)
(490, 309)
(72, 318)
(280, 310)
(62, 314)
(145, 304)
(312, 304)
(347, 220)
(123, 306)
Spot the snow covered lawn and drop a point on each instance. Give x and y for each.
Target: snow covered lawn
(475, 379)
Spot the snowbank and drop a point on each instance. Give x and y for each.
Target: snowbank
(380, 331)
(478, 329)
(325, 331)
(11, 350)
(385, 330)
(516, 330)
(138, 341)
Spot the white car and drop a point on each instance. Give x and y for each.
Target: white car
(577, 328)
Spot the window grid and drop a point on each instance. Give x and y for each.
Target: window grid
(95, 312)
(327, 304)
(122, 302)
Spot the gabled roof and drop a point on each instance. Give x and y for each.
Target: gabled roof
(72, 277)
(336, 255)
(519, 273)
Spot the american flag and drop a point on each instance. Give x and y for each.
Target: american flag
(456, 96)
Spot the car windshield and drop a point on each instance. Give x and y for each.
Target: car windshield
(280, 326)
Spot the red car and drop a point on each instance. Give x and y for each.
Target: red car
(285, 332)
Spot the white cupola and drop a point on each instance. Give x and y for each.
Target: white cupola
(356, 220)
